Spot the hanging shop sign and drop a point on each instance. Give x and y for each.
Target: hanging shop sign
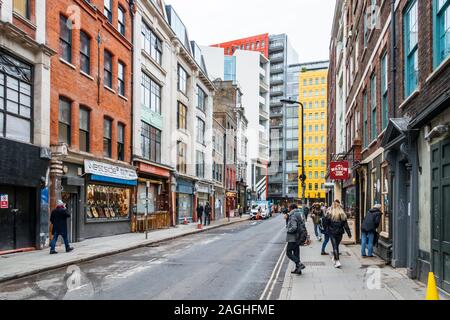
(4, 203)
(339, 170)
(110, 173)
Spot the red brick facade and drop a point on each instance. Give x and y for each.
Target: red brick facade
(256, 43)
(89, 91)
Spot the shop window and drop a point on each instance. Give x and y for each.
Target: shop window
(84, 130)
(106, 203)
(107, 138)
(121, 142)
(64, 125)
(85, 53)
(65, 39)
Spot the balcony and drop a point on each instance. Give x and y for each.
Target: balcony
(276, 91)
(276, 46)
(279, 57)
(276, 113)
(263, 87)
(263, 114)
(263, 139)
(262, 101)
(262, 73)
(276, 69)
(274, 82)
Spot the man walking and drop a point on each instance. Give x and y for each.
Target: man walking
(315, 216)
(207, 214)
(200, 213)
(295, 225)
(58, 218)
(369, 230)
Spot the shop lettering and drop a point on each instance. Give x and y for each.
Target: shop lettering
(109, 170)
(185, 310)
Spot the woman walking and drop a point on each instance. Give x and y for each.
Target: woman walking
(336, 224)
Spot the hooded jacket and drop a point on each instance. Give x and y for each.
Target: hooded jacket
(371, 221)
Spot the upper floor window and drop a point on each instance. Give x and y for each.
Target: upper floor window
(200, 131)
(84, 130)
(373, 102)
(182, 80)
(151, 94)
(107, 138)
(365, 121)
(108, 9)
(200, 164)
(441, 11)
(64, 123)
(121, 20)
(121, 78)
(85, 53)
(121, 142)
(182, 115)
(384, 92)
(22, 7)
(151, 43)
(65, 39)
(411, 32)
(181, 157)
(201, 99)
(107, 78)
(151, 143)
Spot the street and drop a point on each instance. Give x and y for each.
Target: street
(233, 262)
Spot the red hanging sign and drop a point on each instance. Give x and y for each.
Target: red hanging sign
(4, 204)
(339, 170)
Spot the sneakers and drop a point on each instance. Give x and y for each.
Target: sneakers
(69, 249)
(337, 264)
(53, 252)
(324, 254)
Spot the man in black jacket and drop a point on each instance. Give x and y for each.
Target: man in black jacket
(207, 214)
(58, 218)
(294, 219)
(369, 229)
(199, 213)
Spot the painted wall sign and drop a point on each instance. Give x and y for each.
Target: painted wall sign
(107, 170)
(339, 170)
(4, 203)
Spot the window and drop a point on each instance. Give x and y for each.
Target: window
(107, 77)
(200, 168)
(263, 44)
(121, 20)
(181, 157)
(15, 99)
(365, 123)
(65, 39)
(200, 131)
(121, 142)
(85, 53)
(411, 29)
(182, 80)
(384, 92)
(121, 78)
(151, 43)
(151, 94)
(150, 142)
(201, 99)
(64, 121)
(373, 103)
(182, 114)
(22, 7)
(107, 138)
(108, 9)
(84, 142)
(441, 11)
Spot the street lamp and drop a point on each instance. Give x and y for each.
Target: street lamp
(303, 176)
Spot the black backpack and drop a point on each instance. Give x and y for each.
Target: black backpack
(302, 233)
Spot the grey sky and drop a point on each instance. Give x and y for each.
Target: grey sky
(307, 22)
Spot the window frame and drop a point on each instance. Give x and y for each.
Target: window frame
(201, 133)
(411, 55)
(181, 157)
(121, 25)
(85, 131)
(182, 83)
(438, 16)
(121, 78)
(106, 71)
(365, 120)
(67, 124)
(107, 10)
(384, 91)
(121, 142)
(373, 107)
(63, 20)
(85, 55)
(27, 9)
(182, 117)
(152, 44)
(201, 99)
(107, 141)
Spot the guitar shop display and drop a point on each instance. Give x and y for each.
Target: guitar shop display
(106, 203)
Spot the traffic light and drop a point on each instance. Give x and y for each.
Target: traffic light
(302, 177)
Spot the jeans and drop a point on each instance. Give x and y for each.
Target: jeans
(207, 219)
(55, 238)
(325, 242)
(336, 241)
(293, 252)
(317, 230)
(367, 241)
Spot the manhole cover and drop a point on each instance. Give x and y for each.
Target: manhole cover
(315, 263)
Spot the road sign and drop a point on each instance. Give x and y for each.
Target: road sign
(4, 204)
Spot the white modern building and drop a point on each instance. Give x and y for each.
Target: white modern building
(250, 70)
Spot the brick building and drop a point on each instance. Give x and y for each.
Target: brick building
(390, 96)
(91, 114)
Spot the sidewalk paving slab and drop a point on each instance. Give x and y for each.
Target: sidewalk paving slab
(19, 265)
(352, 282)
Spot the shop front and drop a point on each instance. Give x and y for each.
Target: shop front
(153, 198)
(231, 204)
(203, 192)
(24, 208)
(219, 203)
(184, 201)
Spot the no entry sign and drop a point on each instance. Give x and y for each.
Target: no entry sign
(4, 201)
(339, 170)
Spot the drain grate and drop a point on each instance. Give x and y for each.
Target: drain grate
(315, 263)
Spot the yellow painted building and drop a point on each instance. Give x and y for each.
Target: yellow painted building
(313, 95)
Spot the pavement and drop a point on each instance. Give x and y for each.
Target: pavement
(358, 279)
(19, 265)
(233, 262)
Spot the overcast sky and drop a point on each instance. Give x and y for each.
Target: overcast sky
(307, 22)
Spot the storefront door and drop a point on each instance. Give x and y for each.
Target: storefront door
(440, 201)
(17, 218)
(71, 201)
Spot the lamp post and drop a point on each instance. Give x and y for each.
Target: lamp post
(303, 175)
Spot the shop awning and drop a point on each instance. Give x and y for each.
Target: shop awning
(98, 178)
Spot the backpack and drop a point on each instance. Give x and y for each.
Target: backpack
(302, 233)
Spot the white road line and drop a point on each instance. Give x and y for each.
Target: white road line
(277, 266)
(276, 277)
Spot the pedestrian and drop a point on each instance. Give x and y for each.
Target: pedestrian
(296, 233)
(207, 214)
(306, 212)
(336, 224)
(369, 230)
(324, 231)
(58, 219)
(316, 214)
(240, 211)
(200, 211)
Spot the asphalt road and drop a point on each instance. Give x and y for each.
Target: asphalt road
(233, 262)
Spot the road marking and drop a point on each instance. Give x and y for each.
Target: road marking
(276, 271)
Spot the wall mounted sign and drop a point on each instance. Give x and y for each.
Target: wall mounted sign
(339, 170)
